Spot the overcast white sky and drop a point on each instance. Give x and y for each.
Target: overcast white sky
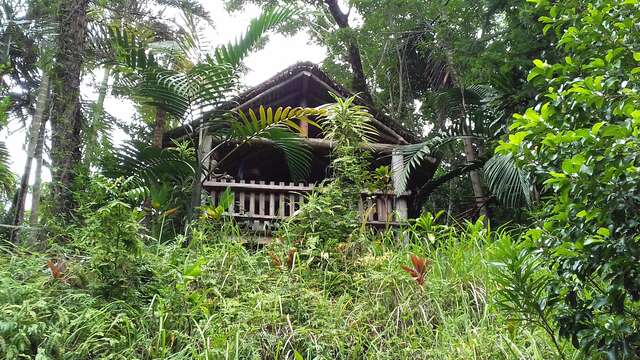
(279, 53)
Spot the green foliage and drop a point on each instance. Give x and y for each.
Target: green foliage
(277, 127)
(186, 93)
(212, 298)
(523, 281)
(509, 183)
(581, 141)
(330, 215)
(350, 127)
(7, 178)
(112, 230)
(233, 53)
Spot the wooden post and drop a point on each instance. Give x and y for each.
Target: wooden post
(272, 201)
(397, 169)
(241, 201)
(205, 146)
(261, 200)
(281, 204)
(252, 200)
(205, 141)
(304, 126)
(292, 202)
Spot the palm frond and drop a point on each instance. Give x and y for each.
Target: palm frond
(297, 153)
(510, 184)
(130, 52)
(234, 52)
(178, 93)
(149, 165)
(463, 111)
(7, 177)
(414, 155)
(277, 127)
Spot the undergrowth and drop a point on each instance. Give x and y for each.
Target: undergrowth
(213, 298)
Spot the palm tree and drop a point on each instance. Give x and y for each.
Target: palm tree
(477, 114)
(188, 94)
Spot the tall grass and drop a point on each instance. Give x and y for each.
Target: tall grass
(215, 299)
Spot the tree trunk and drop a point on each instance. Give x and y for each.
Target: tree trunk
(66, 117)
(158, 132)
(37, 183)
(33, 136)
(102, 94)
(158, 128)
(354, 58)
(480, 196)
(92, 148)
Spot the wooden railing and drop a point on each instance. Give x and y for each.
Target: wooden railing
(261, 204)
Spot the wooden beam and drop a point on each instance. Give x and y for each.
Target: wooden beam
(379, 123)
(304, 126)
(328, 144)
(260, 187)
(270, 90)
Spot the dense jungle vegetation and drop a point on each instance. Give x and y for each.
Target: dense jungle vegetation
(525, 244)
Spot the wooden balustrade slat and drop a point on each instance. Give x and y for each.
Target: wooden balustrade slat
(272, 204)
(381, 206)
(301, 187)
(292, 202)
(261, 205)
(372, 213)
(281, 204)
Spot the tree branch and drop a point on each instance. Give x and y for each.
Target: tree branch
(423, 193)
(354, 58)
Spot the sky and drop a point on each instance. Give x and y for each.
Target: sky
(279, 52)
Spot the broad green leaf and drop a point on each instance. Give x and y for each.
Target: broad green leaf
(540, 64)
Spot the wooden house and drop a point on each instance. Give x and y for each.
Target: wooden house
(258, 176)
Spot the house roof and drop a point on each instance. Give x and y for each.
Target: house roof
(302, 84)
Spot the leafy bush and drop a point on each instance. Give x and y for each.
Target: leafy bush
(581, 139)
(330, 216)
(111, 228)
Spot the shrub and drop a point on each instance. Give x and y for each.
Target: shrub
(581, 140)
(330, 217)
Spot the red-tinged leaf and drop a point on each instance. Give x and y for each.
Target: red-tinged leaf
(56, 269)
(291, 257)
(275, 260)
(409, 270)
(419, 268)
(418, 263)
